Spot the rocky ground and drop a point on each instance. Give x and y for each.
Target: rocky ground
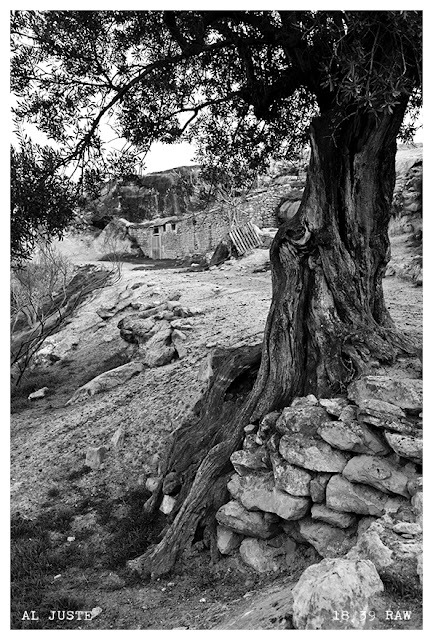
(73, 528)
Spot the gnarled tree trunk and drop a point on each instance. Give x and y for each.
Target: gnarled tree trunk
(327, 321)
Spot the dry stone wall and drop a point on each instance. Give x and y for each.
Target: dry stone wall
(321, 472)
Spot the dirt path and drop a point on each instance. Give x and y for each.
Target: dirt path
(100, 511)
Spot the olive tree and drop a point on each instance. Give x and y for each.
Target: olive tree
(247, 86)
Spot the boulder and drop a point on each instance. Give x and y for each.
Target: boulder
(95, 456)
(253, 524)
(106, 381)
(328, 541)
(352, 437)
(258, 492)
(334, 406)
(37, 395)
(266, 558)
(312, 453)
(227, 540)
(378, 473)
(332, 517)
(289, 478)
(393, 550)
(318, 486)
(332, 586)
(245, 461)
(405, 393)
(406, 446)
(135, 329)
(342, 495)
(301, 419)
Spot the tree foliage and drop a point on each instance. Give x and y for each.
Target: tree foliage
(243, 83)
(42, 199)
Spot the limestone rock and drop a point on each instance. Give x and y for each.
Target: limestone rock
(245, 461)
(152, 483)
(249, 443)
(178, 340)
(370, 547)
(394, 424)
(172, 483)
(405, 393)
(258, 492)
(106, 381)
(305, 401)
(414, 485)
(253, 524)
(264, 557)
(136, 329)
(348, 414)
(267, 424)
(289, 478)
(334, 406)
(336, 584)
(352, 437)
(417, 504)
(312, 454)
(250, 428)
(406, 446)
(159, 349)
(378, 473)
(407, 528)
(95, 457)
(394, 553)
(328, 541)
(334, 518)
(227, 540)
(37, 395)
(342, 495)
(302, 418)
(167, 504)
(181, 325)
(318, 486)
(375, 406)
(118, 438)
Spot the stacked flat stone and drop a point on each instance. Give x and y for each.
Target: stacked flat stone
(320, 471)
(407, 200)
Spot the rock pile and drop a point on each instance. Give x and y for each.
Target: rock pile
(342, 475)
(407, 202)
(158, 331)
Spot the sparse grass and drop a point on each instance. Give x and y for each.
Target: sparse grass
(131, 535)
(32, 572)
(37, 555)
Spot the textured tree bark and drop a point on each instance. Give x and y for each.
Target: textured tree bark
(327, 322)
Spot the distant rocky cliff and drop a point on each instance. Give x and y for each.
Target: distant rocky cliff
(136, 199)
